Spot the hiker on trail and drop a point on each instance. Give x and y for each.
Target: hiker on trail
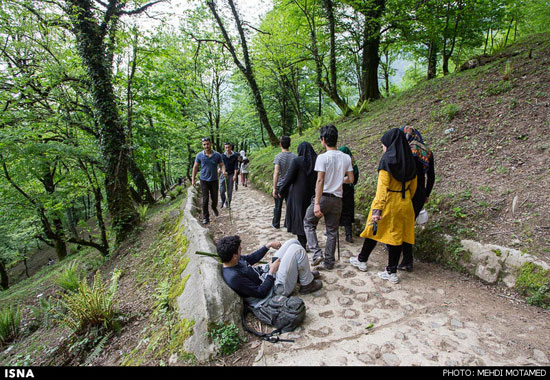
(238, 171)
(282, 163)
(333, 169)
(425, 172)
(244, 169)
(208, 160)
(299, 187)
(230, 161)
(256, 284)
(391, 210)
(348, 198)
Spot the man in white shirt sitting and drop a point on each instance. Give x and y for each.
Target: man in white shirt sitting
(333, 168)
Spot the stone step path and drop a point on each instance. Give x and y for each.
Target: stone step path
(432, 317)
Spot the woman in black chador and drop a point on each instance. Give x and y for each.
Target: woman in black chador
(348, 198)
(300, 186)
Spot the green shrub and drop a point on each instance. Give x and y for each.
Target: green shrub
(499, 88)
(446, 113)
(10, 323)
(70, 278)
(91, 306)
(162, 299)
(142, 211)
(45, 313)
(226, 338)
(534, 282)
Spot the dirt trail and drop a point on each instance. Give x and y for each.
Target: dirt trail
(432, 317)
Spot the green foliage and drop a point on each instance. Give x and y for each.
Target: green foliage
(91, 306)
(10, 323)
(70, 277)
(446, 113)
(162, 299)
(142, 211)
(499, 88)
(226, 337)
(45, 313)
(534, 282)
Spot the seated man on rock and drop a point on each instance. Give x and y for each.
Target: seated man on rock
(256, 284)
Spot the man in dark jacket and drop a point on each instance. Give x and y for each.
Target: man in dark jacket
(256, 284)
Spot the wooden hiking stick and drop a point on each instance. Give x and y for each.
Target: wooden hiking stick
(227, 197)
(217, 257)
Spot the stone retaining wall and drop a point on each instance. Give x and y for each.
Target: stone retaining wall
(206, 299)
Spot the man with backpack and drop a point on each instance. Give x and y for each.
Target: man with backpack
(257, 284)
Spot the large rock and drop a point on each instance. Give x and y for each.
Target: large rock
(206, 299)
(489, 262)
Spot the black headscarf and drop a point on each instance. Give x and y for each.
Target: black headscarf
(306, 151)
(398, 158)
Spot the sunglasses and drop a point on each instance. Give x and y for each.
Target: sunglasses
(205, 139)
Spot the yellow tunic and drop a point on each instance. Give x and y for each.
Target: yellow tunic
(397, 223)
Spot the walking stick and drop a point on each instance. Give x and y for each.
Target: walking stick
(214, 255)
(227, 197)
(338, 241)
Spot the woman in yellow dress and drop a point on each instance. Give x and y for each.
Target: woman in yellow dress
(391, 216)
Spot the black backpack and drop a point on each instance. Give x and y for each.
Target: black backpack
(283, 313)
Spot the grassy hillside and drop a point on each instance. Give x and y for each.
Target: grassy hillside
(142, 281)
(488, 128)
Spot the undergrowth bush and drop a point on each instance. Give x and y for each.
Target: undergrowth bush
(91, 306)
(10, 323)
(226, 337)
(70, 278)
(45, 313)
(534, 282)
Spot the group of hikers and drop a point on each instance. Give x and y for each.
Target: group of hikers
(219, 173)
(322, 186)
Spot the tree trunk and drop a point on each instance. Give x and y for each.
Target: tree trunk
(370, 59)
(4, 280)
(245, 68)
(141, 183)
(92, 50)
(432, 60)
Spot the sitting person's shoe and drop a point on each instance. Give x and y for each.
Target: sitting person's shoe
(315, 274)
(391, 277)
(317, 260)
(313, 286)
(408, 267)
(362, 266)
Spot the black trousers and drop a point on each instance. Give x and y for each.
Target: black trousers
(276, 222)
(394, 254)
(209, 188)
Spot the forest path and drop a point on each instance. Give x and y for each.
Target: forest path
(432, 317)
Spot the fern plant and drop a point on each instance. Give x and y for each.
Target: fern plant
(10, 323)
(70, 278)
(142, 211)
(91, 306)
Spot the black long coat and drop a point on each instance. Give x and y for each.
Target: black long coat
(348, 200)
(301, 189)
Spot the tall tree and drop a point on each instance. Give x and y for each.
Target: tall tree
(92, 33)
(245, 66)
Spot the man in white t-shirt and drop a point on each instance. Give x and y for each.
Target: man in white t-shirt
(333, 169)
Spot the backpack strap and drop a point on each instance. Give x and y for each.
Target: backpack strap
(264, 336)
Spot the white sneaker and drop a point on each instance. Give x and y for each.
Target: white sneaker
(362, 266)
(391, 277)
